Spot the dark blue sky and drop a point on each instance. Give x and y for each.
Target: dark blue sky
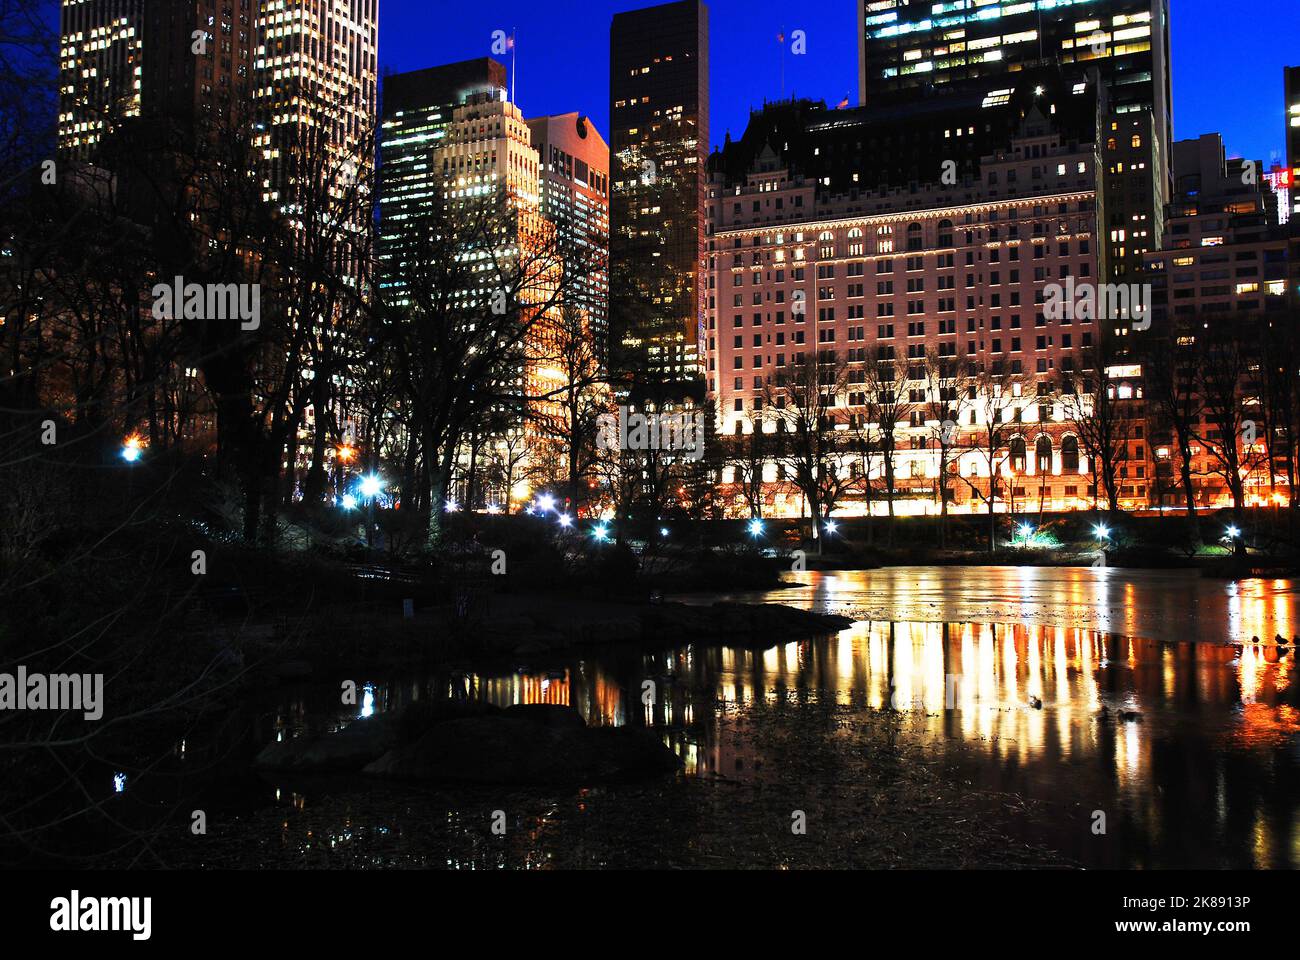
(1228, 57)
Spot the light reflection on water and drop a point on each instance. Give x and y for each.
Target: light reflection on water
(1206, 774)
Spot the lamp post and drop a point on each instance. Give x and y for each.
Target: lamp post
(370, 488)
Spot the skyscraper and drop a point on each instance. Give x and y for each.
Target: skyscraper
(198, 64)
(916, 46)
(914, 51)
(659, 141)
(575, 199)
(315, 86)
(491, 175)
(101, 58)
(418, 108)
(185, 62)
(1292, 83)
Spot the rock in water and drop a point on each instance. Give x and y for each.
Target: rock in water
(351, 748)
(546, 715)
(502, 750)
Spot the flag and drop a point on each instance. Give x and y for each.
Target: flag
(844, 104)
(780, 37)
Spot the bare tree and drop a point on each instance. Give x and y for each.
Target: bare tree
(947, 389)
(574, 404)
(1171, 393)
(813, 439)
(994, 395)
(1228, 381)
(888, 405)
(467, 328)
(1102, 419)
(748, 454)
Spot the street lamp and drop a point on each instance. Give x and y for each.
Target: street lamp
(348, 502)
(830, 526)
(371, 487)
(566, 521)
(601, 533)
(1102, 531)
(132, 449)
(546, 503)
(756, 527)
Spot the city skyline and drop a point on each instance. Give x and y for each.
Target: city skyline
(562, 63)
(465, 467)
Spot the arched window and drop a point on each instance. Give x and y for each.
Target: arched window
(1043, 454)
(1070, 454)
(914, 238)
(827, 245)
(885, 239)
(1019, 454)
(856, 247)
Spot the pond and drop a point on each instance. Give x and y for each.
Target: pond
(1099, 717)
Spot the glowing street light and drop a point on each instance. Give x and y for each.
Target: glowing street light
(663, 531)
(756, 527)
(601, 533)
(348, 502)
(546, 503)
(371, 487)
(1233, 533)
(346, 453)
(1102, 531)
(1026, 532)
(566, 521)
(451, 506)
(830, 526)
(132, 448)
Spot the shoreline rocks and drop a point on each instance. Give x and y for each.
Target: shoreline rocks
(524, 744)
(535, 744)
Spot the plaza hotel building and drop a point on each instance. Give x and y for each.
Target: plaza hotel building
(953, 270)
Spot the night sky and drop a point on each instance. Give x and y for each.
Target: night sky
(1227, 60)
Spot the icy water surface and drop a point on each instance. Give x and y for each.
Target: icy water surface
(1022, 708)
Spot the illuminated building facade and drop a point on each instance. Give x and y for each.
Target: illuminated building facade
(487, 156)
(1224, 259)
(101, 64)
(659, 141)
(898, 276)
(575, 199)
(315, 89)
(913, 50)
(906, 48)
(1292, 86)
(418, 108)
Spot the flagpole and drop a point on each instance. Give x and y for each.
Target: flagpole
(783, 62)
(514, 60)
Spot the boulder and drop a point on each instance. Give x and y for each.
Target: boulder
(551, 715)
(504, 750)
(349, 749)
